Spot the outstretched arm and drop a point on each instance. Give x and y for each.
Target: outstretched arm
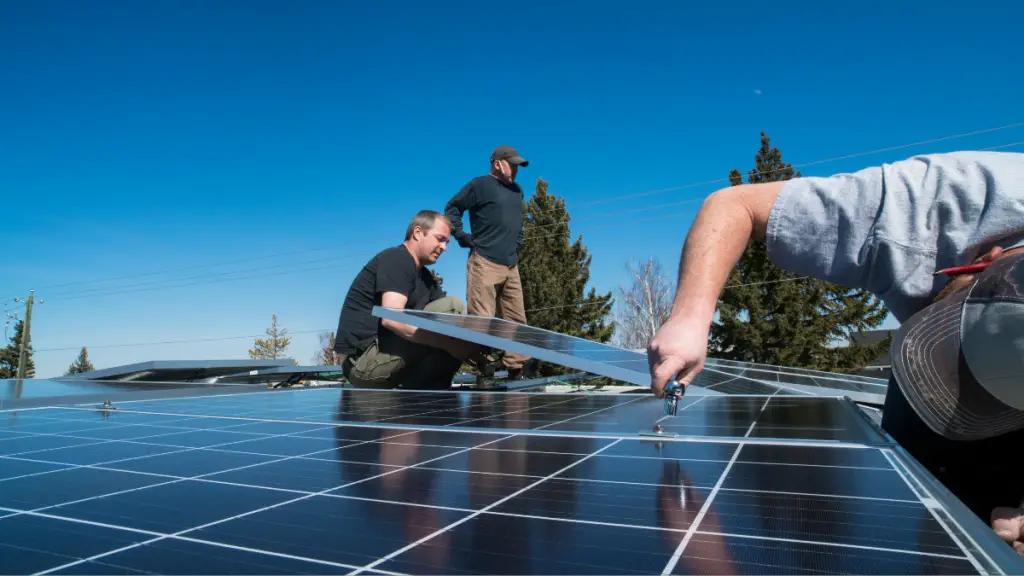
(456, 348)
(727, 220)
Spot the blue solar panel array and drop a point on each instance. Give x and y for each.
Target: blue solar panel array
(399, 482)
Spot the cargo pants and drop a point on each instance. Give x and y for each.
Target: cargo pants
(496, 291)
(399, 363)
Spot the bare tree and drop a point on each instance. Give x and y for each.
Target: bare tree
(326, 356)
(644, 306)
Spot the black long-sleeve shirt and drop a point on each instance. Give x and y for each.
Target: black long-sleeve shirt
(495, 217)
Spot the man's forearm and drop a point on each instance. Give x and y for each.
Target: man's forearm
(417, 336)
(714, 244)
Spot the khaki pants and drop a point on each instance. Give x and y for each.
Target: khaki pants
(395, 362)
(496, 291)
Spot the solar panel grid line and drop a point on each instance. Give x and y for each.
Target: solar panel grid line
(674, 559)
(184, 430)
(204, 396)
(930, 504)
(180, 479)
(428, 537)
(835, 544)
(201, 477)
(727, 534)
(28, 409)
(792, 370)
(158, 537)
(347, 497)
(106, 465)
(587, 414)
(446, 409)
(177, 430)
(265, 508)
(536, 432)
(875, 548)
(822, 376)
(576, 399)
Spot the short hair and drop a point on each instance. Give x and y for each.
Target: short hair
(426, 219)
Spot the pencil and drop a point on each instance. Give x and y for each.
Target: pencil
(970, 268)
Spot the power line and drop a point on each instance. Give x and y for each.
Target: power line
(204, 276)
(1009, 145)
(167, 342)
(221, 338)
(814, 163)
(595, 202)
(177, 283)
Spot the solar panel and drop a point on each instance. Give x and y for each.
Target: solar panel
(334, 480)
(585, 355)
(181, 370)
(630, 365)
(25, 393)
(284, 375)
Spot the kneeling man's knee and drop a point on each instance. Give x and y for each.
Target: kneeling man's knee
(447, 305)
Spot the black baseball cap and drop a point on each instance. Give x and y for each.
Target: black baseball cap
(960, 361)
(510, 154)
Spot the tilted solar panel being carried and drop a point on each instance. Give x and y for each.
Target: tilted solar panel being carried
(625, 365)
(585, 355)
(402, 482)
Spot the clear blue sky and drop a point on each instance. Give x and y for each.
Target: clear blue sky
(144, 136)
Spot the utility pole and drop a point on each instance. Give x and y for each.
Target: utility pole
(25, 334)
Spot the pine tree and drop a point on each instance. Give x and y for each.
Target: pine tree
(274, 346)
(555, 274)
(768, 315)
(81, 364)
(9, 355)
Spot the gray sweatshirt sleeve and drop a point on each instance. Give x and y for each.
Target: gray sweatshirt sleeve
(886, 229)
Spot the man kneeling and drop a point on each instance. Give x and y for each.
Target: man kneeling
(382, 353)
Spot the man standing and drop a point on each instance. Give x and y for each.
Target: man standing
(382, 353)
(956, 398)
(495, 205)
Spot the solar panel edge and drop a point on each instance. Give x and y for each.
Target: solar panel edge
(995, 552)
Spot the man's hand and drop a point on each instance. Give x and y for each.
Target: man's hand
(1009, 525)
(677, 352)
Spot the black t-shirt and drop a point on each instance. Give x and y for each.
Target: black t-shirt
(392, 270)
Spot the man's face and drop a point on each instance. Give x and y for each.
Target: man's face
(430, 244)
(506, 169)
